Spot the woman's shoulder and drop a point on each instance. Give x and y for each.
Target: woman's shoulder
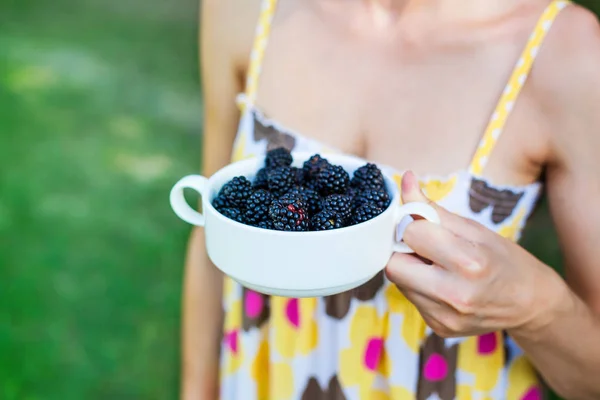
(576, 33)
(571, 52)
(231, 24)
(566, 79)
(566, 74)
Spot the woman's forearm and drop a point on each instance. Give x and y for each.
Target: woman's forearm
(565, 346)
(202, 319)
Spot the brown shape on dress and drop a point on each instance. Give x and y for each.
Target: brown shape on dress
(369, 290)
(482, 196)
(275, 137)
(257, 321)
(444, 388)
(314, 391)
(338, 305)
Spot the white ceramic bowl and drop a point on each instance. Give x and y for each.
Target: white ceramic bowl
(295, 264)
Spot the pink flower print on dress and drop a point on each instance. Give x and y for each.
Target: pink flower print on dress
(437, 373)
(255, 309)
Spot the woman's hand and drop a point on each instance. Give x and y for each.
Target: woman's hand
(477, 281)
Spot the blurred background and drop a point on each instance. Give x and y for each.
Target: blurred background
(100, 113)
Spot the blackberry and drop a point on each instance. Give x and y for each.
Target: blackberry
(310, 184)
(280, 180)
(365, 212)
(257, 207)
(233, 213)
(333, 179)
(220, 203)
(294, 195)
(298, 175)
(313, 165)
(260, 180)
(380, 198)
(266, 224)
(279, 157)
(368, 176)
(309, 196)
(340, 204)
(289, 214)
(326, 220)
(352, 192)
(236, 191)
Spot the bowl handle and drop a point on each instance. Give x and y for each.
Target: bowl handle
(180, 206)
(408, 209)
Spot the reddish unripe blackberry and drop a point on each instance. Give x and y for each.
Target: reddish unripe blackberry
(309, 196)
(289, 215)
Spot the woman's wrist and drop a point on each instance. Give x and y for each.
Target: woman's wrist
(553, 301)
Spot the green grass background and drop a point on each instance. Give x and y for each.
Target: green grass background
(100, 113)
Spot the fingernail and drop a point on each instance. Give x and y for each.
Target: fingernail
(408, 181)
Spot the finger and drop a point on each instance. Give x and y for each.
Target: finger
(435, 313)
(411, 192)
(410, 273)
(441, 245)
(425, 304)
(427, 307)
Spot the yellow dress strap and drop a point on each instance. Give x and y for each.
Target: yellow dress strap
(261, 37)
(514, 86)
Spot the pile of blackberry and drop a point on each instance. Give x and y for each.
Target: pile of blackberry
(319, 196)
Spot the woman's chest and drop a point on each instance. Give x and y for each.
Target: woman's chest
(424, 108)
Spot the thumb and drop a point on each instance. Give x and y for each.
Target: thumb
(411, 192)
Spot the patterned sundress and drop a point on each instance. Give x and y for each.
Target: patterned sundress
(371, 343)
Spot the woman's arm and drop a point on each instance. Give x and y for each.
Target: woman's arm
(566, 350)
(202, 309)
(480, 282)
